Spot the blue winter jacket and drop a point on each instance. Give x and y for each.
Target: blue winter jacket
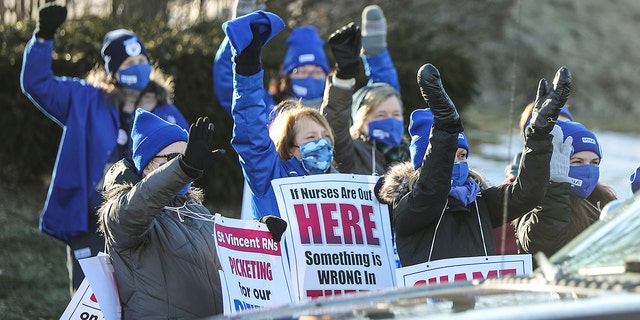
(90, 129)
(258, 156)
(378, 68)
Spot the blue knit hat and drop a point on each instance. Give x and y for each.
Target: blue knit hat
(150, 134)
(305, 47)
(420, 124)
(238, 30)
(117, 46)
(565, 112)
(583, 139)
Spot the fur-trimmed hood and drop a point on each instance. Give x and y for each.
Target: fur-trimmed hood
(398, 181)
(401, 177)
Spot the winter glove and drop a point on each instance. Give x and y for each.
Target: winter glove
(345, 44)
(374, 30)
(248, 61)
(276, 226)
(445, 115)
(549, 101)
(559, 165)
(198, 156)
(50, 18)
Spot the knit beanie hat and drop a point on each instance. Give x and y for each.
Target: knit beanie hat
(305, 47)
(150, 134)
(238, 30)
(583, 139)
(117, 46)
(565, 112)
(420, 124)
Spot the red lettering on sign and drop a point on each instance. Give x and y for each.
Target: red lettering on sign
(308, 223)
(351, 226)
(326, 293)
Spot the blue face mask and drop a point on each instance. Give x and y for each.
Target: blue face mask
(308, 88)
(584, 179)
(460, 173)
(317, 156)
(135, 77)
(388, 131)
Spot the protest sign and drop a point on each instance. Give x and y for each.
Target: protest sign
(339, 238)
(254, 273)
(463, 269)
(99, 273)
(83, 305)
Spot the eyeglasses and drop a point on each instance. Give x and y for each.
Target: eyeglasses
(168, 156)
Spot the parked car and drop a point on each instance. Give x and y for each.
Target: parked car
(595, 276)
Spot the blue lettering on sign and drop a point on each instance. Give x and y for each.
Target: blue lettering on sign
(241, 305)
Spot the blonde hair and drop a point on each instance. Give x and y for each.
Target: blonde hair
(371, 99)
(282, 130)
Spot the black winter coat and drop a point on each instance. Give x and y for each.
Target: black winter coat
(463, 231)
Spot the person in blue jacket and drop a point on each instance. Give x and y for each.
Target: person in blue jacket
(305, 66)
(96, 116)
(299, 140)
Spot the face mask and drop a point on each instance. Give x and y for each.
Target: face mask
(135, 77)
(317, 156)
(584, 179)
(388, 131)
(460, 173)
(308, 88)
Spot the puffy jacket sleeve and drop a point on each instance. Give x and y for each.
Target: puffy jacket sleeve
(380, 68)
(546, 228)
(528, 189)
(223, 75)
(52, 95)
(131, 215)
(426, 201)
(336, 107)
(258, 156)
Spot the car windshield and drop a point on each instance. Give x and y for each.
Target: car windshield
(604, 245)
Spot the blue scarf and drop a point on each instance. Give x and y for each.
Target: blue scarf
(466, 192)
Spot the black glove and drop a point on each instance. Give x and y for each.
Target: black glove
(248, 61)
(346, 44)
(445, 115)
(549, 101)
(198, 155)
(50, 17)
(276, 226)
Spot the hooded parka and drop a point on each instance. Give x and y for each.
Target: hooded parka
(426, 215)
(166, 267)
